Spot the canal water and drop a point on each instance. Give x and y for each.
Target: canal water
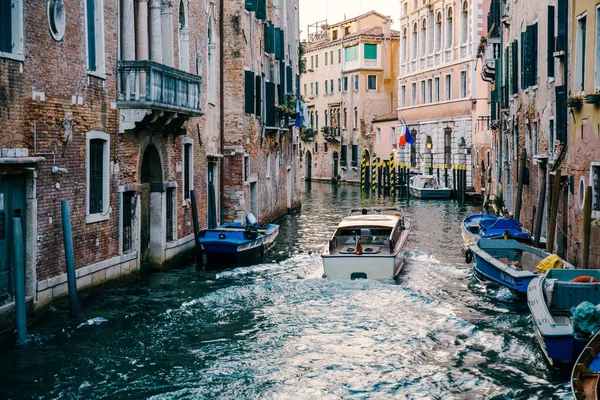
(279, 331)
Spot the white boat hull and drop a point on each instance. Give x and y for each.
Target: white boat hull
(363, 266)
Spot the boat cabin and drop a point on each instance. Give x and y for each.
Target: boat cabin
(425, 182)
(367, 234)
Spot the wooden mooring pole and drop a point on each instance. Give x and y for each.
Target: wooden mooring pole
(587, 226)
(69, 258)
(197, 246)
(522, 161)
(539, 218)
(553, 211)
(19, 268)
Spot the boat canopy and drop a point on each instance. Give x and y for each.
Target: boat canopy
(360, 221)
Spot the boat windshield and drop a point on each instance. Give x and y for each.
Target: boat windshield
(373, 235)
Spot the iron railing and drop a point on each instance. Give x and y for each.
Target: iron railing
(147, 84)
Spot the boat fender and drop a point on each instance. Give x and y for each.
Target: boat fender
(468, 256)
(585, 279)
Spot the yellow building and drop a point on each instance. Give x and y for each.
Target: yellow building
(350, 78)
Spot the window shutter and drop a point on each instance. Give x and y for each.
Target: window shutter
(261, 9)
(281, 86)
(534, 54)
(561, 113)
(277, 37)
(297, 86)
(250, 5)
(269, 38)
(344, 154)
(563, 20)
(281, 44)
(5, 26)
(515, 67)
(249, 92)
(522, 59)
(289, 88)
(91, 33)
(370, 51)
(270, 103)
(550, 41)
(258, 90)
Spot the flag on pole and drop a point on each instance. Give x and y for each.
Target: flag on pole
(299, 121)
(405, 136)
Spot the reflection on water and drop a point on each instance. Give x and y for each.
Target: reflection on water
(277, 330)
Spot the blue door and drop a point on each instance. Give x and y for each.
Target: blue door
(12, 205)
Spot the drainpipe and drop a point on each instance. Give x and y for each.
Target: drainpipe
(222, 115)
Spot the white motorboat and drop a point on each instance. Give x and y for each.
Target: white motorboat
(428, 187)
(368, 246)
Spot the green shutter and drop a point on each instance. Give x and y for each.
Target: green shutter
(370, 51)
(249, 92)
(534, 54)
(281, 44)
(550, 40)
(269, 38)
(523, 54)
(91, 34)
(250, 5)
(270, 103)
(563, 21)
(258, 90)
(5, 26)
(278, 49)
(261, 9)
(515, 66)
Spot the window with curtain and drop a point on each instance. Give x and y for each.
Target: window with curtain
(351, 53)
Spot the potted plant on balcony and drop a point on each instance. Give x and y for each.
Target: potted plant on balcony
(575, 101)
(325, 130)
(593, 98)
(307, 134)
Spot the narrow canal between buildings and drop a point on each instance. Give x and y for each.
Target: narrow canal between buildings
(278, 330)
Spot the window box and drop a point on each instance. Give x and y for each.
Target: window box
(575, 101)
(593, 98)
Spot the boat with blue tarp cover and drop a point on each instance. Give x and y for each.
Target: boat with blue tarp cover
(552, 298)
(488, 226)
(237, 242)
(508, 262)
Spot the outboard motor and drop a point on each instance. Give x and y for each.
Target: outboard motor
(251, 220)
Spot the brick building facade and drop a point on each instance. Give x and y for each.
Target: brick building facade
(113, 107)
(261, 156)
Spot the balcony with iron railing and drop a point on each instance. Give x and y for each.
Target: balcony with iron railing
(148, 85)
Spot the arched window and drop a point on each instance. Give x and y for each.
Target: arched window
(345, 118)
(404, 44)
(355, 117)
(464, 23)
(438, 32)
(449, 29)
(423, 38)
(184, 40)
(211, 62)
(316, 120)
(326, 118)
(414, 41)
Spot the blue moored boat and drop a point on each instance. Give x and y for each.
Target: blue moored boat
(234, 242)
(508, 262)
(488, 226)
(550, 298)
